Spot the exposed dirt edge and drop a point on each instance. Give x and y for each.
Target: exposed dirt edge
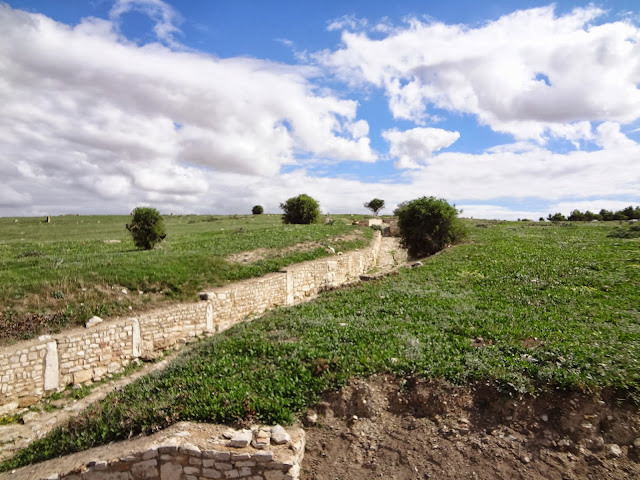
(386, 427)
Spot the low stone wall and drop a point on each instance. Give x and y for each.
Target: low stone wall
(30, 369)
(185, 451)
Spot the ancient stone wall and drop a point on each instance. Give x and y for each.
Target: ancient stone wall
(185, 451)
(83, 355)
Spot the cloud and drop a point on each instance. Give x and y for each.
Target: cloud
(417, 145)
(89, 114)
(164, 16)
(536, 173)
(350, 22)
(592, 205)
(531, 73)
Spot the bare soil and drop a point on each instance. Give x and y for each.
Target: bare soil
(390, 428)
(261, 253)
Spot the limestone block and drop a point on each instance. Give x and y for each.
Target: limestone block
(210, 473)
(82, 376)
(51, 370)
(170, 471)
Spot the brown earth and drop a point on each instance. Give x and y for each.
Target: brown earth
(261, 253)
(414, 429)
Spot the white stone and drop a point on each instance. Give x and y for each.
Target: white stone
(8, 408)
(279, 435)
(136, 340)
(51, 370)
(240, 439)
(93, 321)
(615, 450)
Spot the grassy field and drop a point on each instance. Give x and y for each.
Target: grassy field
(529, 307)
(59, 274)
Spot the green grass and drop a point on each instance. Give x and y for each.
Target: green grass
(59, 274)
(557, 307)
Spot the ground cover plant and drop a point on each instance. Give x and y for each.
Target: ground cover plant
(61, 273)
(528, 307)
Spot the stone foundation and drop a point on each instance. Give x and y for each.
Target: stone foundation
(185, 451)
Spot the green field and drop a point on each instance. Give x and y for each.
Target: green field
(59, 274)
(529, 307)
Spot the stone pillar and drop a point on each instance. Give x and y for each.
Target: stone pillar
(289, 274)
(51, 370)
(210, 316)
(136, 341)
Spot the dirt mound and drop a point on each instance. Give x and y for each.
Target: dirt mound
(389, 428)
(252, 256)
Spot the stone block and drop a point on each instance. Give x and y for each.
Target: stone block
(82, 376)
(145, 470)
(170, 471)
(210, 473)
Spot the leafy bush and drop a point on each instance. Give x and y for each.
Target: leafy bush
(147, 227)
(257, 210)
(557, 217)
(302, 209)
(427, 225)
(632, 232)
(375, 205)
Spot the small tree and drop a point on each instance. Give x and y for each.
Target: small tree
(375, 205)
(427, 225)
(146, 227)
(257, 210)
(300, 210)
(557, 217)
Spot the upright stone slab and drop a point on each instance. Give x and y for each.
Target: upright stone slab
(136, 341)
(210, 317)
(289, 287)
(51, 370)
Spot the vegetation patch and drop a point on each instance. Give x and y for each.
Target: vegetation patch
(58, 275)
(530, 310)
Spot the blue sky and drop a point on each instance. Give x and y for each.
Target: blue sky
(509, 110)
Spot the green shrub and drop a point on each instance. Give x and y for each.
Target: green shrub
(427, 225)
(147, 227)
(300, 210)
(257, 210)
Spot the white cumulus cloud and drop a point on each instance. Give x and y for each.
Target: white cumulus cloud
(417, 145)
(532, 73)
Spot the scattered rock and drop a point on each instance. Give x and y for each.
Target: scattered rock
(330, 249)
(279, 436)
(262, 439)
(240, 439)
(124, 291)
(615, 450)
(416, 264)
(29, 417)
(311, 418)
(93, 321)
(8, 408)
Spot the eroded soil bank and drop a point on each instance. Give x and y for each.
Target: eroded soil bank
(385, 427)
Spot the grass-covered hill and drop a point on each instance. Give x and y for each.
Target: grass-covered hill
(59, 274)
(527, 307)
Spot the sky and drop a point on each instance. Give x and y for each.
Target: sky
(507, 109)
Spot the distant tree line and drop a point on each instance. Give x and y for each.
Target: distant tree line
(628, 213)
